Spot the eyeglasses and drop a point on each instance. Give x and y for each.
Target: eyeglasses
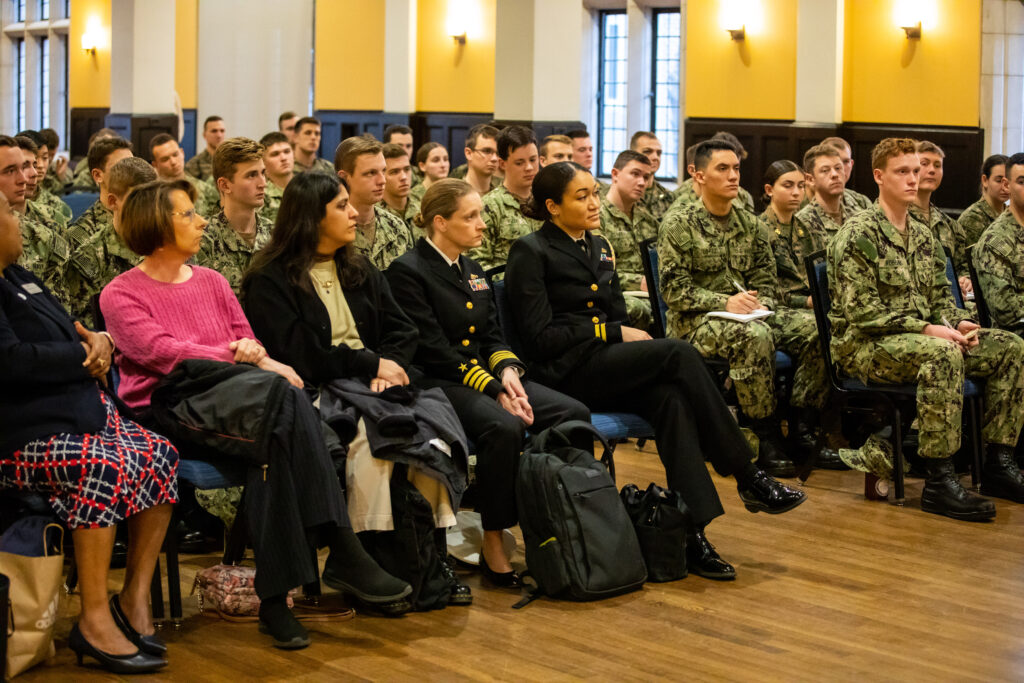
(189, 215)
(487, 151)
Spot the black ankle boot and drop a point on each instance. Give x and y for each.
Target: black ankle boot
(351, 570)
(811, 444)
(277, 621)
(1000, 476)
(771, 453)
(944, 495)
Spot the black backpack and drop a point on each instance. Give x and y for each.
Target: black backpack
(580, 543)
(410, 552)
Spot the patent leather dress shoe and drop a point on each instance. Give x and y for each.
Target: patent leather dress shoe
(703, 560)
(136, 663)
(499, 579)
(461, 593)
(151, 645)
(767, 495)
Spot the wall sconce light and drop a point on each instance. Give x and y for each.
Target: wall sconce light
(739, 17)
(912, 31)
(91, 36)
(737, 33)
(912, 16)
(457, 21)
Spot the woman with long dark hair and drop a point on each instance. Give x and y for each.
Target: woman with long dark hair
(318, 303)
(570, 312)
(461, 350)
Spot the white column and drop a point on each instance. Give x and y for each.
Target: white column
(142, 57)
(400, 56)
(640, 88)
(819, 61)
(539, 49)
(255, 61)
(1002, 76)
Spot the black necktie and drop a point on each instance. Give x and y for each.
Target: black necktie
(457, 271)
(584, 245)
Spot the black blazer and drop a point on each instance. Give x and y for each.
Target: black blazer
(295, 328)
(459, 337)
(44, 389)
(566, 305)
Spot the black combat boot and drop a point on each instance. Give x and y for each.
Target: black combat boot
(1000, 476)
(810, 443)
(944, 495)
(771, 452)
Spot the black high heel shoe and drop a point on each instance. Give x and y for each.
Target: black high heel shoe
(135, 663)
(151, 645)
(500, 579)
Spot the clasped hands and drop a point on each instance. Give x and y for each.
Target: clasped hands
(961, 336)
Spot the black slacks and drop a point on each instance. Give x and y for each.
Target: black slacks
(497, 436)
(666, 382)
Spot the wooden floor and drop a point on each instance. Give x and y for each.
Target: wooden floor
(839, 589)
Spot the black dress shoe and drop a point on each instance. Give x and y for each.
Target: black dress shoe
(703, 560)
(151, 645)
(136, 663)
(461, 594)
(767, 495)
(499, 579)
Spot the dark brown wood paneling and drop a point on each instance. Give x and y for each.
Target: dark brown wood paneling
(768, 141)
(84, 122)
(448, 128)
(336, 125)
(141, 129)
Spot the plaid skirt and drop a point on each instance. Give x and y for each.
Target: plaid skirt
(97, 480)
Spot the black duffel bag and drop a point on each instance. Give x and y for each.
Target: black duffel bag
(663, 524)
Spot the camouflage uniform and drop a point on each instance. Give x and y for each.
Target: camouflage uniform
(884, 292)
(227, 253)
(417, 175)
(459, 171)
(271, 201)
(999, 261)
(699, 259)
(92, 220)
(416, 193)
(93, 265)
(816, 226)
(975, 219)
(45, 252)
(391, 238)
(319, 164)
(200, 166)
(53, 183)
(55, 204)
(207, 197)
(656, 200)
(949, 233)
(854, 201)
(625, 234)
(505, 223)
(82, 180)
(790, 245)
(412, 209)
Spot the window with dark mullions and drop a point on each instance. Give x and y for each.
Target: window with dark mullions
(665, 104)
(44, 82)
(612, 136)
(20, 90)
(44, 10)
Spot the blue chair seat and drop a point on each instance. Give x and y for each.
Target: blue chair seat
(783, 361)
(207, 475)
(621, 426)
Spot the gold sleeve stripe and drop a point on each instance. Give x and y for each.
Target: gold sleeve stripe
(486, 379)
(499, 356)
(600, 331)
(477, 378)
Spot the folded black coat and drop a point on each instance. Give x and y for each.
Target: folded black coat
(403, 424)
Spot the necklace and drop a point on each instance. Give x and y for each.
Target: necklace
(325, 283)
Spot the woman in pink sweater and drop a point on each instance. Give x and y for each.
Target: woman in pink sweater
(164, 311)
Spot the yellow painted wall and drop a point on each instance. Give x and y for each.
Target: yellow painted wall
(349, 69)
(932, 81)
(89, 75)
(186, 51)
(450, 77)
(750, 79)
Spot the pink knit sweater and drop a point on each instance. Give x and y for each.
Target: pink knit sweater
(156, 324)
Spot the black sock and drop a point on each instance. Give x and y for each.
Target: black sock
(279, 620)
(745, 476)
